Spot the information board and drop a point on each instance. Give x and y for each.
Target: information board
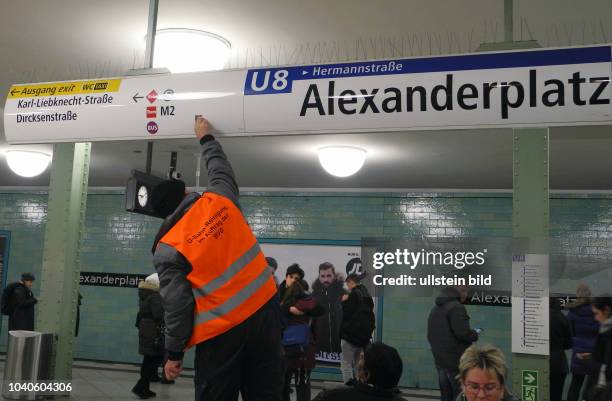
(530, 304)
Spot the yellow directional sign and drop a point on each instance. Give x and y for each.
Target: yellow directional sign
(65, 88)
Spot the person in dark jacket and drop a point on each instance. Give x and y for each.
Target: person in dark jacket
(328, 289)
(560, 340)
(300, 308)
(599, 362)
(584, 329)
(357, 326)
(150, 321)
(293, 272)
(272, 265)
(78, 315)
(22, 301)
(380, 370)
(449, 335)
(245, 357)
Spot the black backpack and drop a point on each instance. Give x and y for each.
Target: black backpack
(6, 306)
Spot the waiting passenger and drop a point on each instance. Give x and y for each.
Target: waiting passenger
(483, 373)
(293, 272)
(599, 362)
(150, 322)
(272, 265)
(560, 340)
(357, 326)
(300, 308)
(18, 303)
(449, 334)
(584, 329)
(380, 369)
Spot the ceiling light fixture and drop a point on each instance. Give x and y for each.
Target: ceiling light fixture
(189, 50)
(341, 161)
(27, 163)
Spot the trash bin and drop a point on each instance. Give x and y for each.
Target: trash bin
(28, 360)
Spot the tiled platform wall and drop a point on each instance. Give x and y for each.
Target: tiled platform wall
(117, 241)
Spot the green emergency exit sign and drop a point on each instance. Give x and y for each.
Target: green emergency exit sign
(530, 385)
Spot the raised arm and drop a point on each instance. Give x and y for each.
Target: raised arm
(221, 178)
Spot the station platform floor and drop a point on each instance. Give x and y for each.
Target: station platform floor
(97, 381)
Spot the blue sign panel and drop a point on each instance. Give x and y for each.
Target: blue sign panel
(279, 80)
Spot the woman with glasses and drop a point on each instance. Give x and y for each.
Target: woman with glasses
(482, 373)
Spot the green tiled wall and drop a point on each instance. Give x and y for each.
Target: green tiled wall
(116, 241)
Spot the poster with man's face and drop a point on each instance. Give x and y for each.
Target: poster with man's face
(325, 268)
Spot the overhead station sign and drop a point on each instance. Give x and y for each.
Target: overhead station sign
(547, 87)
(141, 107)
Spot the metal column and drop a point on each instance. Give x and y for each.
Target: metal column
(530, 220)
(56, 312)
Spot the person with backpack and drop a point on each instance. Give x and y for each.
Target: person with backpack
(299, 342)
(150, 323)
(356, 327)
(18, 303)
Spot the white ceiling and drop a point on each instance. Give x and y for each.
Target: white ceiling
(72, 39)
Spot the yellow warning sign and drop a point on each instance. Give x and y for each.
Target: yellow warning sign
(64, 88)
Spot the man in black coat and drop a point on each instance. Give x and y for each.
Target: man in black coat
(449, 334)
(357, 325)
(22, 301)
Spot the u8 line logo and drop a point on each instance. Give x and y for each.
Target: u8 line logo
(261, 82)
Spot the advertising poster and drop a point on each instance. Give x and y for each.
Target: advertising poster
(326, 285)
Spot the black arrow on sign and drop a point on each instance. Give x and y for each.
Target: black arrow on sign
(137, 97)
(13, 92)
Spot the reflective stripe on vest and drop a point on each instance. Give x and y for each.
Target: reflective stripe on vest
(229, 278)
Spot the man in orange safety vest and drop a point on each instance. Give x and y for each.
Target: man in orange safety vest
(218, 293)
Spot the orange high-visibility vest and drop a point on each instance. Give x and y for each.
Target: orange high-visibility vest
(229, 278)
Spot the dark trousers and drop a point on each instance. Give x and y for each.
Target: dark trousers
(301, 378)
(148, 368)
(556, 386)
(574, 393)
(245, 359)
(449, 386)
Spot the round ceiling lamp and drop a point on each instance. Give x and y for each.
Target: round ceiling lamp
(27, 163)
(189, 50)
(341, 161)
